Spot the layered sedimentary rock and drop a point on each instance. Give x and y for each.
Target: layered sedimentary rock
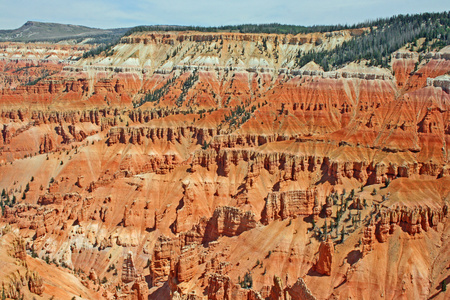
(325, 259)
(229, 221)
(282, 205)
(227, 171)
(128, 269)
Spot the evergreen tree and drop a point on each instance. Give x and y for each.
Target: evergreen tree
(387, 182)
(325, 229)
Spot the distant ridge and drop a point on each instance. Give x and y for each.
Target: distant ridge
(33, 31)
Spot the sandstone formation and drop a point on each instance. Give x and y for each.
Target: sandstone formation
(128, 269)
(325, 259)
(289, 204)
(190, 165)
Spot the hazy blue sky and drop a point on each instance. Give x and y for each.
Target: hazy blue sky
(122, 13)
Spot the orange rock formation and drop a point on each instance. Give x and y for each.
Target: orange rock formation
(208, 166)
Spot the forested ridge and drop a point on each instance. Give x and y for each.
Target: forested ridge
(382, 37)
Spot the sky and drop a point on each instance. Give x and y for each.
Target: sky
(122, 13)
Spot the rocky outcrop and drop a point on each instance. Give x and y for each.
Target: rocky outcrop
(368, 239)
(229, 221)
(300, 291)
(19, 249)
(93, 275)
(131, 217)
(325, 258)
(230, 129)
(283, 205)
(35, 283)
(219, 287)
(13, 288)
(47, 144)
(412, 220)
(290, 165)
(139, 135)
(440, 81)
(186, 266)
(186, 215)
(128, 269)
(277, 291)
(165, 250)
(139, 290)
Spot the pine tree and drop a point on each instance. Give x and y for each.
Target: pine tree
(387, 182)
(325, 230)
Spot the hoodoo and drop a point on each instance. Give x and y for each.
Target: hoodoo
(217, 164)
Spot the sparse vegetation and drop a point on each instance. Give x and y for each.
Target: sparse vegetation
(156, 94)
(239, 116)
(247, 282)
(189, 83)
(205, 145)
(111, 267)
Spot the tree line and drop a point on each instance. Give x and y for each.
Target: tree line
(383, 37)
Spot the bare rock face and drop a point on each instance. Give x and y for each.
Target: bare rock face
(232, 141)
(139, 290)
(219, 287)
(328, 207)
(283, 205)
(17, 281)
(47, 145)
(325, 259)
(165, 250)
(300, 291)
(277, 291)
(93, 275)
(357, 204)
(187, 264)
(229, 221)
(383, 228)
(368, 239)
(19, 249)
(35, 283)
(130, 216)
(128, 269)
(185, 215)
